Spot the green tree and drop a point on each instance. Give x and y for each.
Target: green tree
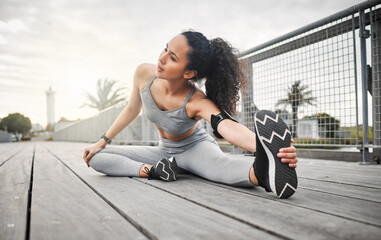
(16, 123)
(297, 95)
(106, 96)
(326, 122)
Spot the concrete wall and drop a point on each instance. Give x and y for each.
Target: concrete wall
(140, 131)
(5, 137)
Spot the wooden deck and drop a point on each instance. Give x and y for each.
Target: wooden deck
(47, 192)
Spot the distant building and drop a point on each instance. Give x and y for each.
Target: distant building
(306, 128)
(50, 106)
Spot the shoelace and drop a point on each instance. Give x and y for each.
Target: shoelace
(149, 172)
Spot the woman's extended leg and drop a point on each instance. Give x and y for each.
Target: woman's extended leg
(126, 160)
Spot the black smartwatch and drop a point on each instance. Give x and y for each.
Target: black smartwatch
(108, 141)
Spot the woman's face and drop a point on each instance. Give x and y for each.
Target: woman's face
(173, 59)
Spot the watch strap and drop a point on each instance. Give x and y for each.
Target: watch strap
(108, 141)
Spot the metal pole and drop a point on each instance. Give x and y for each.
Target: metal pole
(355, 72)
(364, 34)
(376, 86)
(248, 105)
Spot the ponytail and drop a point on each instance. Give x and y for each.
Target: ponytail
(225, 78)
(217, 61)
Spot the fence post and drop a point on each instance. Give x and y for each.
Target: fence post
(248, 106)
(364, 34)
(376, 85)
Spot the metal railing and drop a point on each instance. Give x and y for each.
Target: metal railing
(310, 77)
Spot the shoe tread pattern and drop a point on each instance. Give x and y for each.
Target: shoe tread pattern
(166, 169)
(274, 134)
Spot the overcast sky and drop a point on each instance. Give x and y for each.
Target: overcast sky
(70, 44)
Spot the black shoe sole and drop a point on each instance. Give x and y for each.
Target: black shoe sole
(166, 169)
(273, 134)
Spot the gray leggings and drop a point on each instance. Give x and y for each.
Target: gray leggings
(199, 154)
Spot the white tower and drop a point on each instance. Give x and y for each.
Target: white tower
(50, 105)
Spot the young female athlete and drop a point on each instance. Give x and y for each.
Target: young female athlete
(168, 96)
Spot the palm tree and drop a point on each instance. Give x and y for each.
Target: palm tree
(106, 96)
(297, 95)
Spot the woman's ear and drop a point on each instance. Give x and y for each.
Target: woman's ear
(189, 74)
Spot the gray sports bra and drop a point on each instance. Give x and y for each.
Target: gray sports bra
(174, 122)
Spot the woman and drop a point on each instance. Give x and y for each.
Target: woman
(170, 99)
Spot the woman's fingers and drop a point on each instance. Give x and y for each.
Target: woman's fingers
(292, 165)
(291, 149)
(288, 155)
(289, 160)
(86, 156)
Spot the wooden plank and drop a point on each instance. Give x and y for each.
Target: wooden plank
(343, 177)
(14, 187)
(270, 213)
(352, 206)
(163, 214)
(63, 207)
(352, 168)
(337, 171)
(5, 146)
(359, 192)
(330, 164)
(339, 178)
(7, 150)
(368, 212)
(372, 170)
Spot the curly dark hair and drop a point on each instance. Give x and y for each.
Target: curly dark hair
(216, 61)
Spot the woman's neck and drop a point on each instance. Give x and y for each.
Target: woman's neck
(174, 87)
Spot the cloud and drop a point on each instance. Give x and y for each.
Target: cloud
(13, 26)
(3, 41)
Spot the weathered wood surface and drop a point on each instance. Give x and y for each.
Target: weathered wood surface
(335, 200)
(63, 207)
(15, 176)
(162, 214)
(7, 150)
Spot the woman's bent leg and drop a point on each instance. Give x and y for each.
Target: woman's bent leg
(207, 160)
(125, 160)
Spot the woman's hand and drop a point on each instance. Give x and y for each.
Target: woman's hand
(288, 155)
(93, 149)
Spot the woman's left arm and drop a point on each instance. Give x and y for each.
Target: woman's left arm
(239, 135)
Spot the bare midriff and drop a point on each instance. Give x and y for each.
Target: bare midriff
(166, 135)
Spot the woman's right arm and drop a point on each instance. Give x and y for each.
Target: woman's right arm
(129, 113)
